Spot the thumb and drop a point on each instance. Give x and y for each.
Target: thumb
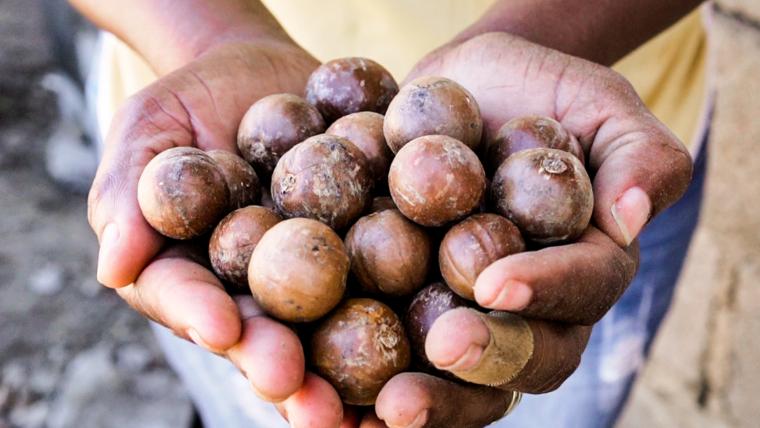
(638, 174)
(505, 350)
(140, 130)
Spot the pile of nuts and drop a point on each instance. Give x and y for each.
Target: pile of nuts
(328, 251)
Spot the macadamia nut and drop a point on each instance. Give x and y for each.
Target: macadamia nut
(349, 85)
(359, 348)
(242, 181)
(546, 192)
(182, 193)
(436, 179)
(389, 254)
(298, 270)
(325, 178)
(433, 106)
(531, 132)
(472, 245)
(272, 126)
(234, 239)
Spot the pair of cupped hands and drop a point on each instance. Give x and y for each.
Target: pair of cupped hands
(638, 168)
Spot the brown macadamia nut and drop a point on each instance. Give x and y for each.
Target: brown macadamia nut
(472, 245)
(546, 193)
(428, 304)
(389, 254)
(359, 348)
(298, 270)
(531, 132)
(433, 106)
(436, 179)
(365, 130)
(272, 126)
(349, 85)
(234, 239)
(182, 193)
(324, 178)
(242, 181)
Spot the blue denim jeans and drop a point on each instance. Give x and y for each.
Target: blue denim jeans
(592, 397)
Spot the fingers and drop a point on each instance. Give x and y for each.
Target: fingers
(188, 299)
(640, 171)
(315, 405)
(640, 168)
(268, 353)
(575, 283)
(418, 400)
(501, 349)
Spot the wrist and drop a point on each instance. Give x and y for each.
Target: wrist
(170, 33)
(181, 48)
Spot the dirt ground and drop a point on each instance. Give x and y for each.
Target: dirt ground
(72, 354)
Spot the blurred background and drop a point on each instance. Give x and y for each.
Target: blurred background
(71, 354)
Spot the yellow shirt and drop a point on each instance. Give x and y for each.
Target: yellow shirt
(668, 72)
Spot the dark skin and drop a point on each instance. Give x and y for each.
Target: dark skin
(602, 31)
(214, 62)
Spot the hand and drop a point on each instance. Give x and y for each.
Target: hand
(201, 104)
(638, 169)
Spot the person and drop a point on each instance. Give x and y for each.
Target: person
(192, 69)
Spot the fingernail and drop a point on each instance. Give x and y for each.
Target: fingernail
(631, 212)
(508, 296)
(419, 421)
(108, 240)
(467, 361)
